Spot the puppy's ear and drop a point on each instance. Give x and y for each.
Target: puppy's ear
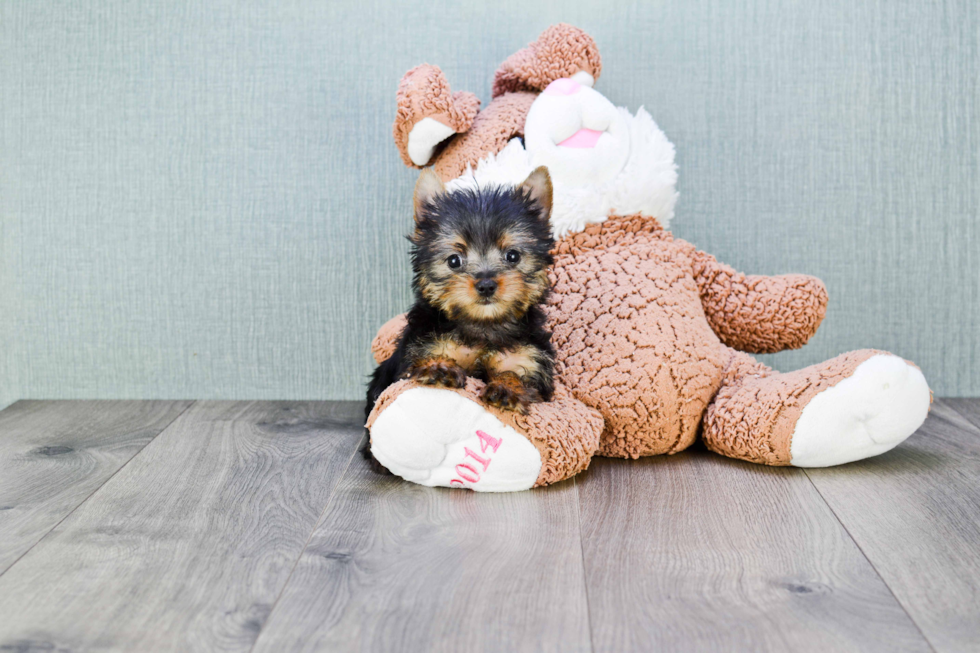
(538, 187)
(427, 188)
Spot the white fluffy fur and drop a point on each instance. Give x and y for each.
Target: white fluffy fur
(645, 185)
(555, 117)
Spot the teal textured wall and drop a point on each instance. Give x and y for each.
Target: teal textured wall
(201, 199)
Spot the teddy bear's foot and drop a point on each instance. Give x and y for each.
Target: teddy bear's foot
(442, 438)
(881, 404)
(448, 438)
(851, 407)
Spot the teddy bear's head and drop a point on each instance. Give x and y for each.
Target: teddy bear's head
(603, 160)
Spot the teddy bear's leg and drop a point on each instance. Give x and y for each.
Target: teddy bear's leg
(448, 438)
(854, 406)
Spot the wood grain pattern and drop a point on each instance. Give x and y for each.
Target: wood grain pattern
(53, 455)
(915, 513)
(400, 567)
(248, 525)
(188, 546)
(700, 553)
(967, 407)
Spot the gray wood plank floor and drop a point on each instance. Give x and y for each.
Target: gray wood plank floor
(54, 455)
(915, 513)
(395, 566)
(189, 545)
(254, 526)
(727, 556)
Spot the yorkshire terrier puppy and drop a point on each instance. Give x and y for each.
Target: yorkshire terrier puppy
(480, 259)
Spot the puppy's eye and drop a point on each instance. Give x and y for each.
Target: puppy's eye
(454, 261)
(513, 256)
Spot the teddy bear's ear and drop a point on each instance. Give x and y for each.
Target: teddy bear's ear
(429, 113)
(561, 51)
(538, 187)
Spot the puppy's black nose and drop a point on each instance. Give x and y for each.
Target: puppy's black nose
(486, 287)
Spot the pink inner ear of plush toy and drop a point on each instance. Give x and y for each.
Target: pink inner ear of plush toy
(583, 138)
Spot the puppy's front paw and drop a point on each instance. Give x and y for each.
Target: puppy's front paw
(442, 372)
(507, 392)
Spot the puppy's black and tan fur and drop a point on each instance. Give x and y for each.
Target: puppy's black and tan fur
(481, 263)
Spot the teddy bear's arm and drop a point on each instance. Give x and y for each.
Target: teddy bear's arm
(759, 314)
(386, 340)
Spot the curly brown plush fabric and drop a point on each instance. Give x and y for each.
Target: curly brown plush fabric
(639, 320)
(386, 340)
(759, 314)
(491, 131)
(564, 431)
(560, 51)
(631, 336)
(424, 93)
(756, 410)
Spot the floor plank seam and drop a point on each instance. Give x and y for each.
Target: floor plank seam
(871, 563)
(316, 525)
(92, 493)
(581, 548)
(961, 413)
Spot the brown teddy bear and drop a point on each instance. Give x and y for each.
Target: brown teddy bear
(652, 336)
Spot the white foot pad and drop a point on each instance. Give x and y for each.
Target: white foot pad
(883, 402)
(441, 439)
